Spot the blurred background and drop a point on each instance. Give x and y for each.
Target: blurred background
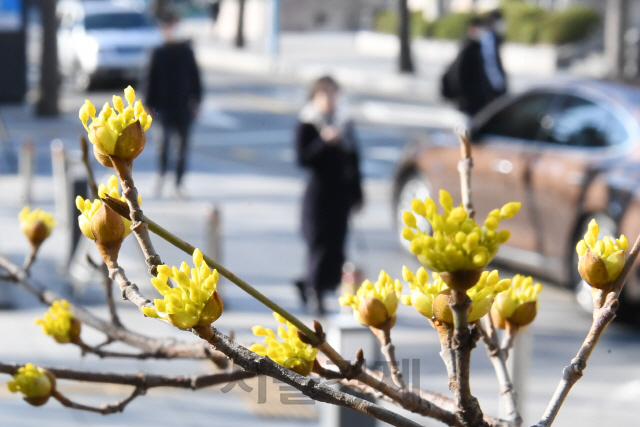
(563, 140)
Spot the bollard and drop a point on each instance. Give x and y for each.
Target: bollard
(68, 182)
(213, 225)
(26, 166)
(347, 336)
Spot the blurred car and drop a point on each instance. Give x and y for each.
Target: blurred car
(568, 152)
(100, 40)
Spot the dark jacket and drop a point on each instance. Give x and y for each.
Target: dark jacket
(332, 191)
(475, 90)
(334, 184)
(173, 89)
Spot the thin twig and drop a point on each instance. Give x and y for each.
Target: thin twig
(498, 358)
(464, 168)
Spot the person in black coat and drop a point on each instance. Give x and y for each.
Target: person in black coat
(173, 94)
(327, 147)
(474, 86)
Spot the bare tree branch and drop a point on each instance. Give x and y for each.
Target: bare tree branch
(161, 348)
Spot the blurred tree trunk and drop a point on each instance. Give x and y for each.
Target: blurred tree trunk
(49, 79)
(240, 29)
(405, 63)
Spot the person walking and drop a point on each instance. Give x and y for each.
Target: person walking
(326, 145)
(475, 90)
(490, 40)
(173, 95)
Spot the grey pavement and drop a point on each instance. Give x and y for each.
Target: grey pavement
(242, 163)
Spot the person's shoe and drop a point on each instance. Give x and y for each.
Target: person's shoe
(314, 306)
(180, 192)
(156, 187)
(299, 283)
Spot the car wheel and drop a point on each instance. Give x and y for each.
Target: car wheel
(414, 186)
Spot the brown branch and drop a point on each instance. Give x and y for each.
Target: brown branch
(464, 168)
(147, 381)
(408, 399)
(104, 409)
(603, 313)
(138, 224)
(29, 260)
(161, 348)
(130, 291)
(310, 387)
(467, 406)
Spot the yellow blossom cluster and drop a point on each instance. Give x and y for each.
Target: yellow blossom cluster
(457, 242)
(375, 304)
(601, 261)
(105, 129)
(519, 303)
(89, 208)
(60, 323)
(36, 224)
(432, 299)
(291, 353)
(194, 301)
(34, 383)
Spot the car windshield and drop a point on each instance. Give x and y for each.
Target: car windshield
(116, 20)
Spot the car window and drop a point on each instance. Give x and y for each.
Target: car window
(520, 119)
(580, 122)
(105, 21)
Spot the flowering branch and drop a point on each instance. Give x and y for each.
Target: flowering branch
(138, 226)
(106, 282)
(118, 207)
(160, 348)
(310, 387)
(603, 313)
(141, 383)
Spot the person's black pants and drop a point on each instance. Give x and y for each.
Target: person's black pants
(181, 130)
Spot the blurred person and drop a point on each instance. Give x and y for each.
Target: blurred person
(491, 39)
(173, 94)
(475, 91)
(326, 145)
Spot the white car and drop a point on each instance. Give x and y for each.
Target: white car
(100, 40)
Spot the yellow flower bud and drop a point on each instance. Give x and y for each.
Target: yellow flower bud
(518, 305)
(375, 305)
(60, 323)
(36, 225)
(458, 243)
(291, 352)
(116, 132)
(601, 261)
(36, 384)
(195, 300)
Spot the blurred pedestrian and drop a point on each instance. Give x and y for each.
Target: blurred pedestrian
(173, 94)
(474, 88)
(490, 41)
(326, 145)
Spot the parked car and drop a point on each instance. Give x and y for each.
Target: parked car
(568, 152)
(100, 40)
